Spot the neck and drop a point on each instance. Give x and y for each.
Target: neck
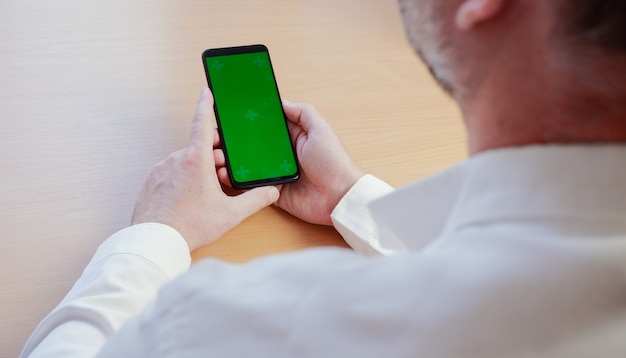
(543, 102)
(530, 87)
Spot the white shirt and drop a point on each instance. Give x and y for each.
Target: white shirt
(513, 253)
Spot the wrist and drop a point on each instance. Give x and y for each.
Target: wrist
(347, 183)
(149, 240)
(365, 190)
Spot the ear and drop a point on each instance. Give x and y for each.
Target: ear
(472, 13)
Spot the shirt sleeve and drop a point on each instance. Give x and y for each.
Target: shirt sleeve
(353, 219)
(125, 274)
(301, 304)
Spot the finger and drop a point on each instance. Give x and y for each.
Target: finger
(217, 142)
(202, 125)
(256, 199)
(294, 130)
(219, 158)
(303, 114)
(292, 111)
(222, 175)
(293, 120)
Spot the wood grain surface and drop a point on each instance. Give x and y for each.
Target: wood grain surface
(93, 94)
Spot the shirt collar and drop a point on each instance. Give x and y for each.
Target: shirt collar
(578, 189)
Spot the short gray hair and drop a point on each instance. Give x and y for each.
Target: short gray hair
(599, 23)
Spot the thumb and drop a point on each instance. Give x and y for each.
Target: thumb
(256, 199)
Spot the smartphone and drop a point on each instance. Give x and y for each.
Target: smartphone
(250, 118)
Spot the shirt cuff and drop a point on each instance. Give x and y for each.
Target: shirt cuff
(160, 244)
(352, 218)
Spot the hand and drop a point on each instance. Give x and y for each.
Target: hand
(326, 170)
(183, 190)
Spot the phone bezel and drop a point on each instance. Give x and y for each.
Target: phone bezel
(237, 50)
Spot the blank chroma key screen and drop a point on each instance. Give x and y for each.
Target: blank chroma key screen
(251, 118)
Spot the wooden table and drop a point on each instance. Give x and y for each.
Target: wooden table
(94, 93)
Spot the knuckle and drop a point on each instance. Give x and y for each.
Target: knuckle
(198, 117)
(191, 157)
(170, 160)
(308, 107)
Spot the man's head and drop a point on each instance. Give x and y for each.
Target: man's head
(440, 30)
(532, 57)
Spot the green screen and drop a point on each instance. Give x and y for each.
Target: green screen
(254, 131)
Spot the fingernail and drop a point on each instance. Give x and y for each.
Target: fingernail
(274, 193)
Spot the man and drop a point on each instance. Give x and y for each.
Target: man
(518, 252)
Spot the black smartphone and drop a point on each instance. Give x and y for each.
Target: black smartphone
(250, 118)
